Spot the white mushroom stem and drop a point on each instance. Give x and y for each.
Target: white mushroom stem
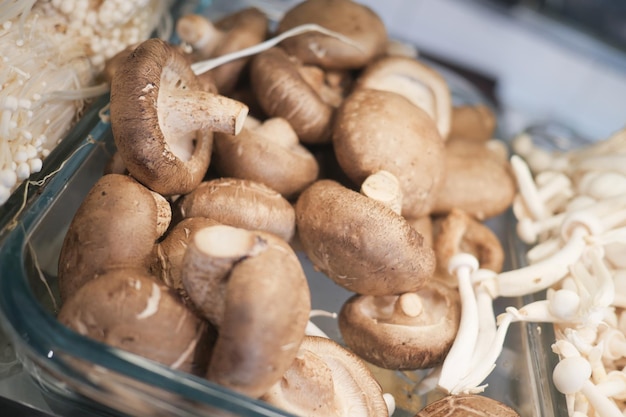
(391, 403)
(458, 361)
(528, 189)
(201, 67)
(571, 375)
(312, 329)
(384, 187)
(545, 273)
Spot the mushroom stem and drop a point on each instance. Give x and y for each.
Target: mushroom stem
(527, 188)
(199, 33)
(409, 304)
(220, 113)
(384, 187)
(201, 67)
(458, 361)
(544, 273)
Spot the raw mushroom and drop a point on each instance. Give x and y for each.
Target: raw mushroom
(251, 286)
(467, 406)
(283, 91)
(346, 17)
(162, 118)
(478, 179)
(241, 203)
(379, 130)
(269, 153)
(472, 122)
(116, 226)
(171, 250)
(413, 330)
(326, 380)
(459, 232)
(419, 83)
(360, 243)
(130, 310)
(242, 29)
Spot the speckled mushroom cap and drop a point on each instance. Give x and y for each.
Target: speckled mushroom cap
(130, 310)
(409, 331)
(272, 156)
(327, 380)
(162, 118)
(467, 406)
(346, 17)
(361, 244)
(282, 91)
(478, 180)
(420, 83)
(380, 130)
(241, 203)
(473, 122)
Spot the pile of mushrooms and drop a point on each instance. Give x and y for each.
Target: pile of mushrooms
(234, 151)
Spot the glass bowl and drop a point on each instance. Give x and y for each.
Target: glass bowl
(79, 376)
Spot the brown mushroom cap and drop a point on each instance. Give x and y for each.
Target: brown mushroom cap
(418, 82)
(326, 380)
(241, 203)
(116, 226)
(282, 91)
(467, 405)
(379, 130)
(473, 122)
(359, 243)
(252, 287)
(346, 17)
(130, 310)
(409, 331)
(459, 232)
(162, 118)
(478, 180)
(269, 153)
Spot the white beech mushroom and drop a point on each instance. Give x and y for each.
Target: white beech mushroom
(116, 226)
(269, 153)
(241, 203)
(234, 32)
(326, 380)
(251, 286)
(361, 244)
(346, 17)
(467, 406)
(407, 144)
(130, 310)
(283, 91)
(162, 118)
(419, 83)
(478, 179)
(412, 330)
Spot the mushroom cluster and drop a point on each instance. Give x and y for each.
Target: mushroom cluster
(244, 144)
(570, 211)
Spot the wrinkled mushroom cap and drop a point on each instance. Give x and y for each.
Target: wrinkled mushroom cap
(132, 311)
(379, 130)
(398, 336)
(241, 203)
(361, 244)
(326, 380)
(478, 180)
(467, 405)
(418, 82)
(282, 91)
(270, 156)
